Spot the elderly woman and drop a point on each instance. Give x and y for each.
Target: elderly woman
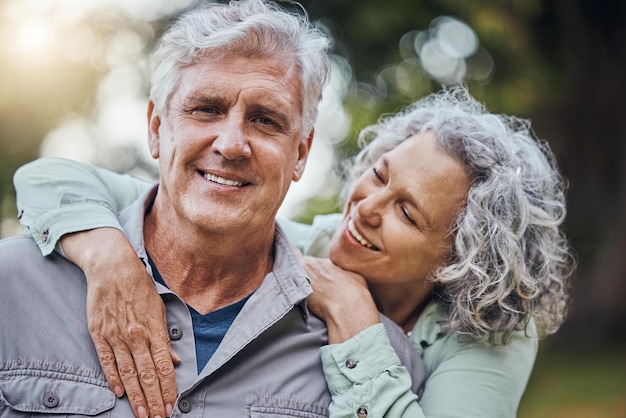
(451, 228)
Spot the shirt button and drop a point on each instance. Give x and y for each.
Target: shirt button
(184, 405)
(351, 363)
(361, 412)
(44, 236)
(175, 333)
(51, 400)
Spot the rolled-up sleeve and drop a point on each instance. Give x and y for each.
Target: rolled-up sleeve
(57, 196)
(366, 379)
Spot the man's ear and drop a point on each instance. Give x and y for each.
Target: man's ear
(154, 123)
(303, 153)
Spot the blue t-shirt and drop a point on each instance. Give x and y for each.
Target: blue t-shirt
(209, 329)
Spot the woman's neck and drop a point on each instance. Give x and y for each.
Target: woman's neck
(401, 304)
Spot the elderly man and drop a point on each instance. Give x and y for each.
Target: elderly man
(234, 95)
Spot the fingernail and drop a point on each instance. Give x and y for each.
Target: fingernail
(141, 411)
(168, 409)
(119, 392)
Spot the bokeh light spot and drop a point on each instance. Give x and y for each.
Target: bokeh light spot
(34, 36)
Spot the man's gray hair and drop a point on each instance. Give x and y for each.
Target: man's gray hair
(254, 28)
(509, 261)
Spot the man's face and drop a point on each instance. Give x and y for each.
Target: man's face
(230, 142)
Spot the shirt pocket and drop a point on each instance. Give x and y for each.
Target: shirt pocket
(274, 407)
(44, 396)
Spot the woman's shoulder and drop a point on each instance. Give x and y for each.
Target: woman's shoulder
(428, 334)
(469, 370)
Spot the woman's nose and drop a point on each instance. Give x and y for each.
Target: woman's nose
(370, 209)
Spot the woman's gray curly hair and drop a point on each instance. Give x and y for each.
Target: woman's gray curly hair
(509, 262)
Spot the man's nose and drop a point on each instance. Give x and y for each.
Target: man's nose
(231, 140)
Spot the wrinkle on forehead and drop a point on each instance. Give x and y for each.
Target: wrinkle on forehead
(280, 78)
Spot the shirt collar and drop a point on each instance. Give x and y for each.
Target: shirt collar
(427, 329)
(132, 218)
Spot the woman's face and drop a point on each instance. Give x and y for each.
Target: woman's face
(396, 225)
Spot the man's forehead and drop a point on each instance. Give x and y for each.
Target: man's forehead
(261, 85)
(280, 66)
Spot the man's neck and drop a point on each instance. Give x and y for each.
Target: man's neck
(208, 272)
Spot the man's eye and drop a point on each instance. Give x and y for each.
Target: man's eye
(265, 121)
(207, 110)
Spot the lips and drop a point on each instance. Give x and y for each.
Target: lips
(357, 236)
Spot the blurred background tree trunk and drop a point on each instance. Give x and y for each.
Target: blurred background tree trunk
(586, 121)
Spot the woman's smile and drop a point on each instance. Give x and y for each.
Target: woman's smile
(356, 235)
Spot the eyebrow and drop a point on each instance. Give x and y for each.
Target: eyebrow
(202, 99)
(412, 199)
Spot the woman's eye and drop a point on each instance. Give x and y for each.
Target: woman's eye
(377, 174)
(407, 216)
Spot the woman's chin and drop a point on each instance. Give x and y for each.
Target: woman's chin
(342, 262)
